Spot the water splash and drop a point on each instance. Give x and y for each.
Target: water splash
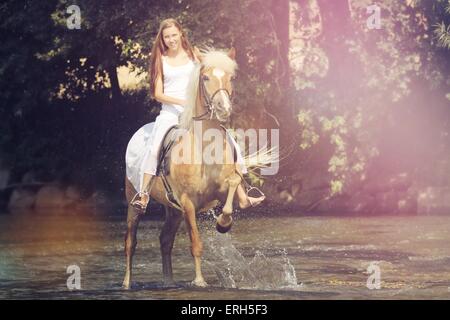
(259, 272)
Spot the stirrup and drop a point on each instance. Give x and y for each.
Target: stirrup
(136, 204)
(171, 199)
(259, 192)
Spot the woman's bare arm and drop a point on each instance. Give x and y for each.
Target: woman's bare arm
(161, 97)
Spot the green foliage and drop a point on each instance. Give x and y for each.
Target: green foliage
(60, 93)
(403, 60)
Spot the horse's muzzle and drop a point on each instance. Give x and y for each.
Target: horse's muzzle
(223, 116)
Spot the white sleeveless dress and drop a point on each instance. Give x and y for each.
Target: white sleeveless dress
(142, 150)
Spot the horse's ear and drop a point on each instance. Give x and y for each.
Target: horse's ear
(232, 53)
(198, 54)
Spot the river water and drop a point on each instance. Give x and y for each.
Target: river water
(261, 258)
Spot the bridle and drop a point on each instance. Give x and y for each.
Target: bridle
(210, 107)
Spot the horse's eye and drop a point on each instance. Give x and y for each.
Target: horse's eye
(205, 78)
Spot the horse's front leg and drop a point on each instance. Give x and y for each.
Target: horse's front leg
(225, 221)
(166, 239)
(133, 218)
(196, 242)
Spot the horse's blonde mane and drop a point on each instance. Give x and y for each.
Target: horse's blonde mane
(211, 58)
(191, 99)
(218, 59)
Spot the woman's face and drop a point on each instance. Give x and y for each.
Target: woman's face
(172, 38)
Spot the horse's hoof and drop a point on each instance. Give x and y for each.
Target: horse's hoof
(169, 284)
(223, 229)
(126, 286)
(199, 283)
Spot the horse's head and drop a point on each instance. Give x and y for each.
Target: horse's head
(217, 72)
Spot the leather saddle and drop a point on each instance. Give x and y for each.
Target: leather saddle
(163, 167)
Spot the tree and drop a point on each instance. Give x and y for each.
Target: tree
(367, 97)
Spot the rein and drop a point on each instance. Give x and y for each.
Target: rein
(209, 102)
(210, 111)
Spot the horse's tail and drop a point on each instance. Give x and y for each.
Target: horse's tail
(263, 159)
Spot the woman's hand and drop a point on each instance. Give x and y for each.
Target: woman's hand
(169, 100)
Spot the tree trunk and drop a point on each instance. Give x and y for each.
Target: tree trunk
(115, 88)
(280, 12)
(337, 28)
(283, 111)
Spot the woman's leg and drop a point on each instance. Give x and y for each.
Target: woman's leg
(162, 123)
(148, 171)
(245, 200)
(143, 197)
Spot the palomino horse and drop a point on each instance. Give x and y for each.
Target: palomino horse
(197, 186)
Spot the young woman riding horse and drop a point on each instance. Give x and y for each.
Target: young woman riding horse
(172, 62)
(195, 90)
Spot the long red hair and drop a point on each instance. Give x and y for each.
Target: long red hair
(159, 48)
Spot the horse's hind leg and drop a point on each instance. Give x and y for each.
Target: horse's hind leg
(166, 240)
(133, 218)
